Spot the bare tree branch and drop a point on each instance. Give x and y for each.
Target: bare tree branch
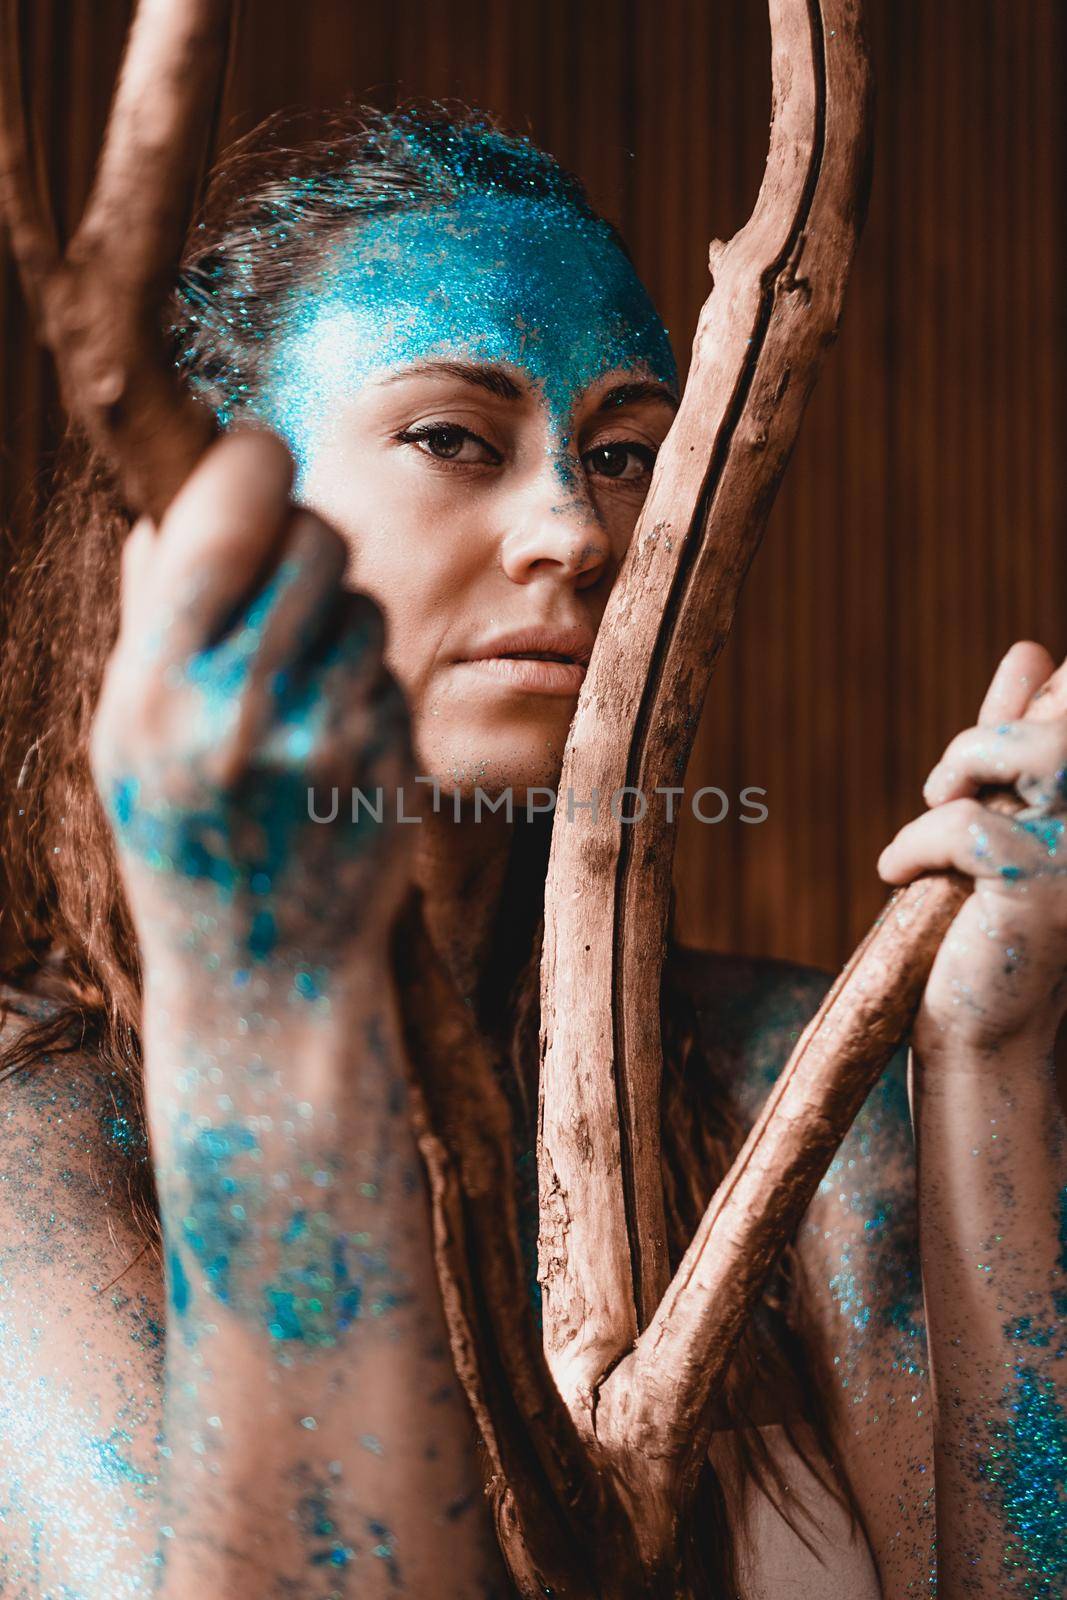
(100, 306)
(654, 1408)
(773, 310)
(546, 1491)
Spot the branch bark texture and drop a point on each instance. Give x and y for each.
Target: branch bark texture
(99, 304)
(773, 310)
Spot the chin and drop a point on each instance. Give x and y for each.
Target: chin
(520, 757)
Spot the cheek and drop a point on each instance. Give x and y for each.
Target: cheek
(410, 549)
(618, 515)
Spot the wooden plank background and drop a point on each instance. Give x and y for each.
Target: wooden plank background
(920, 529)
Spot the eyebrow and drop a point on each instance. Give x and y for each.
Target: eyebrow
(500, 383)
(495, 379)
(625, 394)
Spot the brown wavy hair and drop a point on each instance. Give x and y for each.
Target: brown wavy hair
(273, 204)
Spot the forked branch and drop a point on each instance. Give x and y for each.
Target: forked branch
(653, 1416)
(773, 310)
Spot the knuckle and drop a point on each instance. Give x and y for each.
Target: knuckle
(961, 748)
(967, 814)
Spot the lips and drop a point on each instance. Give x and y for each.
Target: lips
(540, 660)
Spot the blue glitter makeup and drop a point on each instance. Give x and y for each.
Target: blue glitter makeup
(328, 1547)
(1028, 1466)
(321, 1278)
(489, 278)
(315, 1518)
(417, 236)
(179, 1283)
(1048, 831)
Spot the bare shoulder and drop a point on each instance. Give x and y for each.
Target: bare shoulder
(752, 1008)
(71, 1155)
(752, 1011)
(857, 1251)
(80, 1333)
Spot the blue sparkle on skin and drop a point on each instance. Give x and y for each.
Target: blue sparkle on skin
(194, 841)
(1047, 830)
(121, 1128)
(115, 1466)
(262, 936)
(315, 1519)
(178, 1283)
(210, 1227)
(1025, 1330)
(124, 799)
(324, 1275)
(1027, 1463)
(308, 984)
(498, 278)
(385, 1549)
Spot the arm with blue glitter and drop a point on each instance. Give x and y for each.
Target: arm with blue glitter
(317, 1441)
(992, 1157)
(993, 1228)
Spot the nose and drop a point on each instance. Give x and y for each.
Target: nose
(554, 529)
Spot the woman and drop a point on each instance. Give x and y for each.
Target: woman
(472, 385)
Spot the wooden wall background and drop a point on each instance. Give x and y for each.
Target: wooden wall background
(920, 529)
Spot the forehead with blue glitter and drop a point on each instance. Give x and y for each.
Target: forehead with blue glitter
(496, 278)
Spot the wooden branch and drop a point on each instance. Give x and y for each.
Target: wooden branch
(773, 310)
(546, 1491)
(646, 1414)
(653, 1411)
(100, 306)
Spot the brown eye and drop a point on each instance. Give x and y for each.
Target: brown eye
(444, 442)
(447, 441)
(624, 460)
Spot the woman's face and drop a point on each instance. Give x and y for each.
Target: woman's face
(475, 397)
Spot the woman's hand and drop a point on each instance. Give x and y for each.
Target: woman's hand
(245, 700)
(989, 1135)
(1001, 971)
(316, 1436)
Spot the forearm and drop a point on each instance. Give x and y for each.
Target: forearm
(992, 1170)
(319, 1441)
